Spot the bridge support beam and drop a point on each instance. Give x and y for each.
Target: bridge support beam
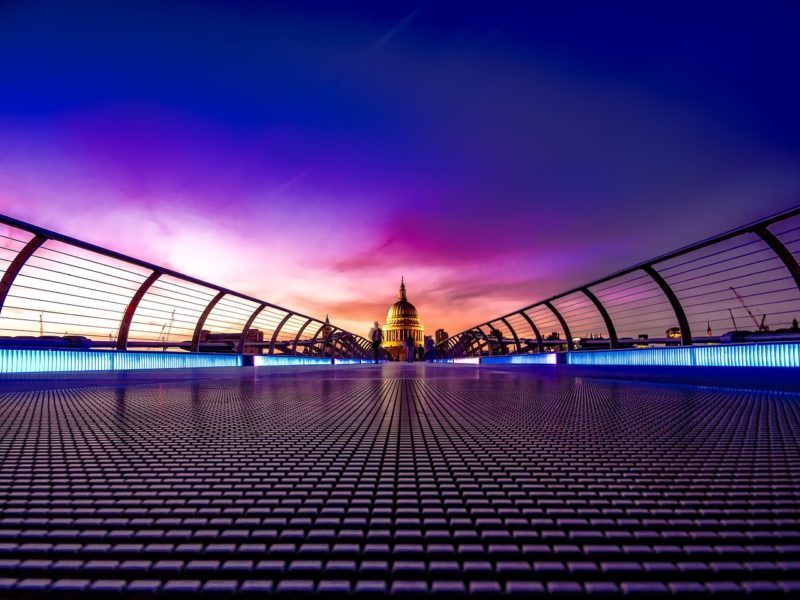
(513, 333)
(680, 315)
(130, 311)
(299, 333)
(486, 341)
(782, 251)
(195, 347)
(535, 330)
(613, 342)
(277, 331)
(564, 326)
(314, 339)
(241, 343)
(16, 266)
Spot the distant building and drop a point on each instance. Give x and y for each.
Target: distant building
(327, 329)
(401, 321)
(441, 335)
(324, 337)
(222, 342)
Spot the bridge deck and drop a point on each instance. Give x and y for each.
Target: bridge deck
(444, 479)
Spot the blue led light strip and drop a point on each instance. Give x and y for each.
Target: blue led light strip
(14, 360)
(289, 361)
(728, 355)
(546, 358)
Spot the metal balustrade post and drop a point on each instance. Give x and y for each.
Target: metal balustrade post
(470, 343)
(564, 326)
(313, 340)
(475, 343)
(241, 343)
(335, 343)
(472, 339)
(16, 266)
(349, 343)
(539, 341)
(366, 348)
(352, 344)
(299, 333)
(680, 315)
(276, 332)
(195, 347)
(329, 342)
(513, 333)
(613, 342)
(130, 310)
(498, 338)
(787, 258)
(454, 345)
(487, 342)
(356, 347)
(478, 342)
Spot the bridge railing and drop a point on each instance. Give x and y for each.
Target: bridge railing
(740, 286)
(60, 292)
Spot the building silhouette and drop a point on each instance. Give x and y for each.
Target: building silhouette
(440, 336)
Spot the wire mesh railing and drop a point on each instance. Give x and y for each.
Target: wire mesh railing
(60, 292)
(740, 286)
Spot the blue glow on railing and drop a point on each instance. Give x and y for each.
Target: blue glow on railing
(728, 355)
(545, 358)
(15, 360)
(289, 361)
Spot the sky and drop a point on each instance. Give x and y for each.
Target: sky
(312, 153)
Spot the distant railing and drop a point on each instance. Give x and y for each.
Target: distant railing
(60, 292)
(740, 286)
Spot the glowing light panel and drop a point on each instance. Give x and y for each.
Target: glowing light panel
(13, 360)
(289, 361)
(545, 358)
(469, 360)
(729, 355)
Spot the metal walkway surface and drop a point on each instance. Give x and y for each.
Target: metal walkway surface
(396, 480)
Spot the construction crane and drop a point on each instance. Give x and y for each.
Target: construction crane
(166, 328)
(759, 326)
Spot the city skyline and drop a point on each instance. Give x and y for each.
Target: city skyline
(493, 156)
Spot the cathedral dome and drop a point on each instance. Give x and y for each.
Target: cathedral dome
(402, 309)
(402, 321)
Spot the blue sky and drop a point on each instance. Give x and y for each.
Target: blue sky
(491, 152)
